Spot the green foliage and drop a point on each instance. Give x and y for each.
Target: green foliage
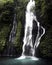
(3, 34)
(6, 16)
(5, 1)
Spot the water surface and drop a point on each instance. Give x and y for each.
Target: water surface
(27, 61)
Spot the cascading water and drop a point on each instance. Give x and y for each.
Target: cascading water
(9, 50)
(12, 37)
(28, 47)
(13, 31)
(28, 30)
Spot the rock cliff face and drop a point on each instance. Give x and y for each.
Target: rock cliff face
(43, 12)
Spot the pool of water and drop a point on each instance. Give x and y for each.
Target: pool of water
(26, 61)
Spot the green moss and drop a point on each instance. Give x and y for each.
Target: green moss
(5, 1)
(17, 42)
(3, 35)
(18, 33)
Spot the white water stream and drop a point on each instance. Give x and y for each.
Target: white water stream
(28, 48)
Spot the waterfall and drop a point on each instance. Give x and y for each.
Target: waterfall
(28, 29)
(13, 31)
(9, 50)
(12, 37)
(28, 47)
